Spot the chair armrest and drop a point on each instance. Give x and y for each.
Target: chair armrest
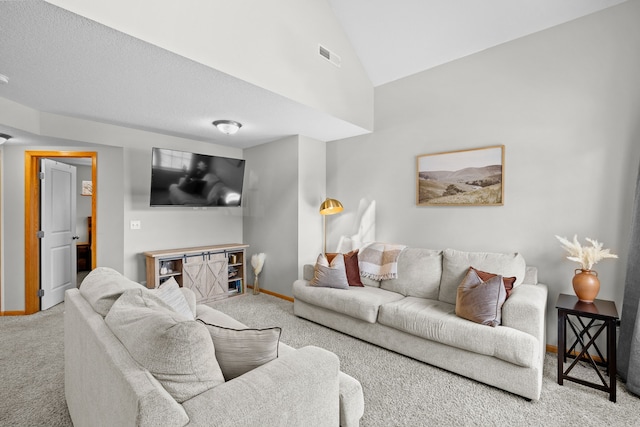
(299, 388)
(526, 309)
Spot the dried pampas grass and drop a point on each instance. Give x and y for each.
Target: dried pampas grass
(257, 262)
(586, 256)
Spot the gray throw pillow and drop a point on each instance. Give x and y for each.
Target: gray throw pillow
(332, 275)
(240, 350)
(170, 293)
(479, 301)
(179, 353)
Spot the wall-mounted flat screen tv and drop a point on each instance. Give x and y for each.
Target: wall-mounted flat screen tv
(180, 178)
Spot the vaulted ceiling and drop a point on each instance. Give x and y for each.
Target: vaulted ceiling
(61, 63)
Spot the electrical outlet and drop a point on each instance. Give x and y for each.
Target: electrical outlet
(136, 224)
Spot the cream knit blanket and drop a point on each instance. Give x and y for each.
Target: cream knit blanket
(379, 261)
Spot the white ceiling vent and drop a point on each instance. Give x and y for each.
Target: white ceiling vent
(329, 56)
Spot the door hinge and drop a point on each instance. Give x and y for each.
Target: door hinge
(40, 293)
(41, 175)
(40, 234)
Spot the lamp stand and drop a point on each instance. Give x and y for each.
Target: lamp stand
(324, 232)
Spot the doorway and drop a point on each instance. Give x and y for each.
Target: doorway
(32, 219)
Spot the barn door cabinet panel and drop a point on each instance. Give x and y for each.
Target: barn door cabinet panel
(211, 272)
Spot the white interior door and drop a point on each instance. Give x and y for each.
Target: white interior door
(58, 222)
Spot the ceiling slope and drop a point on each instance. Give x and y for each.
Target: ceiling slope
(59, 62)
(62, 63)
(397, 38)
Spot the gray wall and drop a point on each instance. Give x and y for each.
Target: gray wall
(311, 193)
(566, 104)
(284, 189)
(271, 212)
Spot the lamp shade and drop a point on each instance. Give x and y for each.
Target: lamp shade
(330, 207)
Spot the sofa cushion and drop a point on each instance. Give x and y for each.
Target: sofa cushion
(437, 321)
(455, 265)
(331, 275)
(179, 353)
(240, 350)
(419, 273)
(370, 282)
(103, 286)
(359, 302)
(170, 293)
(480, 301)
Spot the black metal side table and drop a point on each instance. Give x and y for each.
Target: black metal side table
(600, 314)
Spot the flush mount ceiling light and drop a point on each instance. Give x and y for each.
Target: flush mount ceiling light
(4, 138)
(227, 126)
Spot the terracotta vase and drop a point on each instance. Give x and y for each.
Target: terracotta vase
(586, 285)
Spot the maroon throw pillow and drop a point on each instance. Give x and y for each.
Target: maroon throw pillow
(353, 271)
(507, 281)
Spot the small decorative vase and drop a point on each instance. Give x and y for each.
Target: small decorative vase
(586, 285)
(256, 286)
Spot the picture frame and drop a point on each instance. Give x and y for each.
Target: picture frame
(87, 188)
(473, 177)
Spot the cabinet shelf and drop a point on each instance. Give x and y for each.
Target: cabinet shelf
(204, 269)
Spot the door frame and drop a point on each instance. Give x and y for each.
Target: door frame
(32, 219)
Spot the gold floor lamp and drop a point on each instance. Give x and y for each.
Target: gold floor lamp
(328, 207)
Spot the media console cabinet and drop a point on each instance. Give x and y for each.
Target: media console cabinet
(211, 272)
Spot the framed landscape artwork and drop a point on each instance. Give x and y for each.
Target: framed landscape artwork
(467, 177)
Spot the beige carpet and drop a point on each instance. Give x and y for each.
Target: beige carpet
(398, 391)
(31, 370)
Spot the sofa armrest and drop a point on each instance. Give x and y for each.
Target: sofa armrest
(526, 308)
(103, 384)
(299, 388)
(214, 317)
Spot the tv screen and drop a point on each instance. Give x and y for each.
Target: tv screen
(180, 178)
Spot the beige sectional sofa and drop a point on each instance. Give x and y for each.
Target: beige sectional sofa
(415, 315)
(106, 386)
